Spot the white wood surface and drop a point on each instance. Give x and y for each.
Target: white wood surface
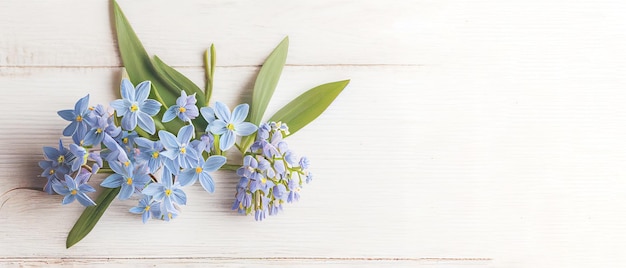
(473, 133)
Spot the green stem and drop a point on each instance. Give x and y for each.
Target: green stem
(209, 63)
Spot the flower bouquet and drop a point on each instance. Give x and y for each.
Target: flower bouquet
(164, 134)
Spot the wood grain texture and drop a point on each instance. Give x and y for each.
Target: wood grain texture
(473, 133)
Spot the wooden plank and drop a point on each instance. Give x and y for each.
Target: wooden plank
(520, 163)
(245, 262)
(405, 32)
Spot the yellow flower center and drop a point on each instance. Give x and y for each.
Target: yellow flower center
(129, 181)
(61, 159)
(155, 155)
(183, 150)
(134, 108)
(79, 118)
(147, 208)
(91, 108)
(182, 109)
(169, 215)
(51, 172)
(230, 126)
(127, 163)
(73, 192)
(125, 140)
(264, 180)
(240, 205)
(198, 169)
(168, 192)
(98, 130)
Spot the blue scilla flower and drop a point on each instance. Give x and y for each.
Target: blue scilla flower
(185, 108)
(76, 117)
(60, 157)
(294, 191)
(128, 177)
(150, 153)
(205, 143)
(135, 107)
(201, 172)
(229, 126)
(178, 148)
(74, 189)
(115, 152)
(168, 192)
(53, 173)
(147, 208)
(101, 124)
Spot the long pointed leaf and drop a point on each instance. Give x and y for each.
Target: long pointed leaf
(308, 106)
(136, 59)
(90, 216)
(139, 66)
(265, 85)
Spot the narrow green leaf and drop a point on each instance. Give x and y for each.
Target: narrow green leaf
(308, 106)
(175, 79)
(140, 68)
(267, 80)
(90, 216)
(136, 59)
(264, 86)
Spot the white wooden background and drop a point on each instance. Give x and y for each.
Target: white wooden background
(473, 133)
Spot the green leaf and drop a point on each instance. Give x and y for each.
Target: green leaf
(308, 106)
(90, 216)
(136, 59)
(175, 79)
(140, 68)
(265, 85)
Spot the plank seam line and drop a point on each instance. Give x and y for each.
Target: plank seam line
(198, 66)
(4, 259)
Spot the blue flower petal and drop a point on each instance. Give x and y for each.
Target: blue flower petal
(170, 113)
(170, 154)
(142, 91)
(222, 111)
(71, 183)
(127, 90)
(245, 128)
(208, 113)
(185, 133)
(146, 123)
(84, 200)
(67, 115)
(227, 140)
(144, 143)
(86, 188)
(150, 107)
(70, 129)
(169, 140)
(117, 168)
(207, 182)
(152, 189)
(112, 181)
(239, 113)
(179, 197)
(82, 105)
(218, 127)
(68, 199)
(187, 177)
(129, 122)
(145, 216)
(120, 107)
(214, 163)
(60, 188)
(126, 191)
(136, 210)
